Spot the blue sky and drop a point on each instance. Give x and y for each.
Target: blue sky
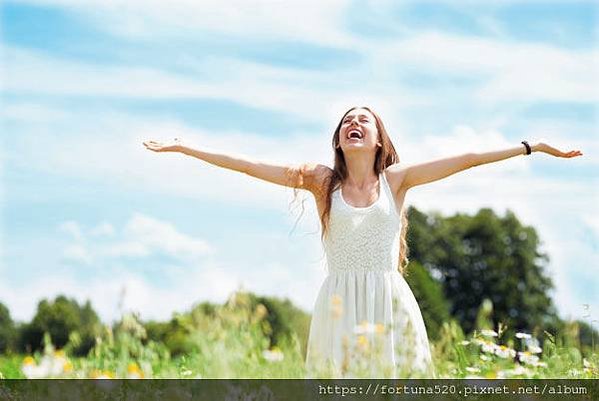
(87, 211)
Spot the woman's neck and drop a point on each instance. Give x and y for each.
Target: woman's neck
(360, 171)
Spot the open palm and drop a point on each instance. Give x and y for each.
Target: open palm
(543, 147)
(171, 146)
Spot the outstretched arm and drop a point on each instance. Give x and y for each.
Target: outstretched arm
(435, 170)
(305, 176)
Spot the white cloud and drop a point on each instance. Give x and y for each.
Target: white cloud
(152, 301)
(142, 236)
(308, 94)
(163, 236)
(508, 70)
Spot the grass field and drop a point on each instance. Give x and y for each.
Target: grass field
(233, 345)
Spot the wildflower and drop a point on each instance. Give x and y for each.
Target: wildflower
(504, 352)
(30, 368)
(528, 358)
(519, 370)
(534, 349)
(52, 365)
(102, 374)
(465, 342)
(273, 355)
(379, 328)
(532, 344)
(525, 336)
(489, 333)
(485, 357)
(470, 369)
(134, 372)
(186, 372)
(488, 347)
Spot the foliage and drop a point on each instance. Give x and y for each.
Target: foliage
(429, 293)
(65, 321)
(481, 256)
(8, 331)
(232, 344)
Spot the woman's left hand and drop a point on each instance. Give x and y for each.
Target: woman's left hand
(543, 147)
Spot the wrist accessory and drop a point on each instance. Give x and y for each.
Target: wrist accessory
(528, 149)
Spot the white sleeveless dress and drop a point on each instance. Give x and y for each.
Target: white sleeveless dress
(366, 321)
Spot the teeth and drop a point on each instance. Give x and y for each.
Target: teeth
(356, 131)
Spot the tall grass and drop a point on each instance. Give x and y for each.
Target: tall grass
(232, 343)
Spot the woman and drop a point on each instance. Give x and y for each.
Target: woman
(366, 320)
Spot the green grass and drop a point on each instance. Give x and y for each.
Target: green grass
(233, 344)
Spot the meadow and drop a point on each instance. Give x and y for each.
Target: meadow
(233, 343)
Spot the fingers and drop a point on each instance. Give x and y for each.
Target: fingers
(572, 153)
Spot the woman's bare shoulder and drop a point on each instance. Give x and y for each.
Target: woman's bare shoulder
(315, 175)
(395, 174)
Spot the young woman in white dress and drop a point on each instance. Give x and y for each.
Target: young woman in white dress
(366, 321)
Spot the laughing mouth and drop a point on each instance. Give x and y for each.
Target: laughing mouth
(355, 134)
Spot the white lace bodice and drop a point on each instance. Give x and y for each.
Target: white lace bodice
(363, 238)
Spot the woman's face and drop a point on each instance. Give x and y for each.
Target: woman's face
(358, 131)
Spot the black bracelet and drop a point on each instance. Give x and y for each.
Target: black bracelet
(528, 150)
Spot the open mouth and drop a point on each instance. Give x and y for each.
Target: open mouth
(355, 134)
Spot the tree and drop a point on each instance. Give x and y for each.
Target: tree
(429, 293)
(485, 256)
(61, 319)
(7, 330)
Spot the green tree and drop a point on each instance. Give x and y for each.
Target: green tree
(429, 293)
(7, 330)
(485, 256)
(62, 319)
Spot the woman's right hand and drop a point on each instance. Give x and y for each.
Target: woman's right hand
(172, 146)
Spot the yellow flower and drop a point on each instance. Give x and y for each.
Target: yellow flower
(28, 361)
(134, 372)
(67, 367)
(379, 328)
(102, 374)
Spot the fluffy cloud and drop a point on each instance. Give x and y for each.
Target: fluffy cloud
(142, 236)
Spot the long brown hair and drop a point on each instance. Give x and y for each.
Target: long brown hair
(386, 156)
